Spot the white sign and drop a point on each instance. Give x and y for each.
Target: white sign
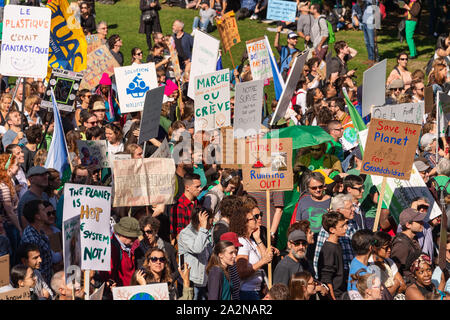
(248, 103)
(25, 42)
(204, 58)
(93, 206)
(405, 112)
(374, 87)
(154, 291)
(212, 100)
(132, 84)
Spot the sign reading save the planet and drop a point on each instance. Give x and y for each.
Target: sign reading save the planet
(132, 84)
(390, 148)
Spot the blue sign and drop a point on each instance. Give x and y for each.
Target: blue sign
(282, 10)
(137, 88)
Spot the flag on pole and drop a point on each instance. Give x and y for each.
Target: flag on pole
(57, 157)
(358, 122)
(278, 81)
(219, 65)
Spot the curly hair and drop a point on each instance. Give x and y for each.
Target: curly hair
(149, 277)
(238, 222)
(4, 177)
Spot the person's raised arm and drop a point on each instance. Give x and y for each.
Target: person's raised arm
(276, 42)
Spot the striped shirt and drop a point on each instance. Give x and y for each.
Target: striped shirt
(5, 196)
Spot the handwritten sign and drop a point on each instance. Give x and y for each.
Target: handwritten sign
(259, 58)
(93, 153)
(16, 294)
(99, 61)
(132, 84)
(204, 58)
(4, 270)
(93, 206)
(25, 42)
(143, 182)
(281, 10)
(374, 89)
(93, 42)
(117, 157)
(212, 100)
(154, 291)
(270, 166)
(247, 108)
(65, 85)
(71, 241)
(404, 112)
(390, 148)
(228, 30)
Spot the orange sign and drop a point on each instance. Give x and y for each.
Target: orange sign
(228, 30)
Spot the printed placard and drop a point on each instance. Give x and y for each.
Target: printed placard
(390, 148)
(248, 104)
(132, 84)
(212, 100)
(154, 291)
(65, 85)
(4, 270)
(259, 59)
(93, 153)
(270, 166)
(228, 30)
(93, 206)
(99, 61)
(279, 10)
(25, 41)
(16, 294)
(404, 112)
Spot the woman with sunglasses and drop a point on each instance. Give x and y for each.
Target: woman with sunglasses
(384, 266)
(157, 270)
(302, 286)
(253, 254)
(400, 71)
(136, 56)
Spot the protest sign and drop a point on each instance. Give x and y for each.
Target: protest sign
(117, 157)
(212, 100)
(279, 10)
(65, 85)
(259, 59)
(93, 153)
(99, 61)
(443, 101)
(71, 241)
(4, 270)
(144, 182)
(269, 166)
(93, 42)
(68, 47)
(132, 84)
(174, 58)
(92, 204)
(25, 42)
(16, 294)
(163, 151)
(400, 193)
(374, 88)
(154, 291)
(349, 138)
(204, 58)
(228, 30)
(390, 148)
(429, 99)
(248, 103)
(291, 86)
(149, 124)
(228, 152)
(404, 112)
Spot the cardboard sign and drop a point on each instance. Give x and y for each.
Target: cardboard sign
(99, 61)
(248, 104)
(93, 153)
(291, 86)
(163, 151)
(132, 84)
(174, 58)
(93, 42)
(150, 117)
(405, 112)
(204, 58)
(429, 99)
(259, 59)
(279, 10)
(4, 270)
(154, 291)
(390, 148)
(144, 182)
(270, 165)
(117, 157)
(16, 294)
(212, 100)
(65, 85)
(374, 88)
(228, 30)
(229, 149)
(25, 42)
(93, 206)
(71, 241)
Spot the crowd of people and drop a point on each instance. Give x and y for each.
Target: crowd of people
(212, 242)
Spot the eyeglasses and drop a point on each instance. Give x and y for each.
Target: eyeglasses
(317, 187)
(160, 259)
(299, 242)
(149, 231)
(359, 189)
(387, 247)
(315, 149)
(51, 213)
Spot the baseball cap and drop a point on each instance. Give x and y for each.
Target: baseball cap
(297, 235)
(292, 35)
(421, 166)
(427, 139)
(411, 214)
(395, 84)
(232, 237)
(36, 171)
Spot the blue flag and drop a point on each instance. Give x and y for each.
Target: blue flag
(278, 81)
(57, 157)
(219, 65)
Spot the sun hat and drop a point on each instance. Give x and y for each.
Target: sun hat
(128, 227)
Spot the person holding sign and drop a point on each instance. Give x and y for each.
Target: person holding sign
(286, 52)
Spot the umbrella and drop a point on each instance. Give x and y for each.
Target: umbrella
(302, 136)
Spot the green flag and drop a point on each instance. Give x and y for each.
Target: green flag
(358, 122)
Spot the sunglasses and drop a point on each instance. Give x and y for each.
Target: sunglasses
(149, 231)
(93, 122)
(420, 89)
(422, 207)
(299, 242)
(161, 259)
(317, 187)
(403, 59)
(315, 149)
(51, 213)
(139, 53)
(359, 189)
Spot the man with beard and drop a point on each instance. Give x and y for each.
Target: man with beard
(295, 261)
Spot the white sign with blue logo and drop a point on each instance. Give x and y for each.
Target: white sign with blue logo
(132, 84)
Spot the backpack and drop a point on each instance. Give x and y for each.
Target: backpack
(331, 36)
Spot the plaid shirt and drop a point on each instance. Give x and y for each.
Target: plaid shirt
(31, 235)
(181, 214)
(345, 242)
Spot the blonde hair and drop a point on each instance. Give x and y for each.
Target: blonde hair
(30, 101)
